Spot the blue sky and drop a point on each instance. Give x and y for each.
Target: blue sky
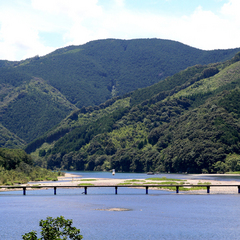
(37, 27)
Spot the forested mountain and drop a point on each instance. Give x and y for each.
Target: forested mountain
(188, 122)
(37, 93)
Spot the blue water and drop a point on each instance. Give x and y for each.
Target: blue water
(158, 215)
(144, 176)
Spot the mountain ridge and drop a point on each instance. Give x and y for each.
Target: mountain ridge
(170, 132)
(87, 75)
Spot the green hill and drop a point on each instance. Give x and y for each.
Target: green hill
(32, 108)
(190, 125)
(90, 74)
(37, 93)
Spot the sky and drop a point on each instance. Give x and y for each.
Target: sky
(38, 27)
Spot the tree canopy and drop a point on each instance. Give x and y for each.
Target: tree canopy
(55, 229)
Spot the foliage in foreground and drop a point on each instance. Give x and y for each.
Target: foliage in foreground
(55, 229)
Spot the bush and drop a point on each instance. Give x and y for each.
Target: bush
(54, 229)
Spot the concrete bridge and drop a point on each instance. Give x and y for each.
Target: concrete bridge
(24, 188)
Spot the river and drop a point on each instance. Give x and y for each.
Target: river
(158, 215)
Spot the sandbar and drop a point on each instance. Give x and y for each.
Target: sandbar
(75, 180)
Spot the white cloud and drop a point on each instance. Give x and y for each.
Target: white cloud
(208, 30)
(19, 36)
(22, 24)
(231, 9)
(202, 29)
(79, 21)
(80, 17)
(120, 3)
(72, 8)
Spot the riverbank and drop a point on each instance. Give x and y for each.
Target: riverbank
(113, 182)
(76, 180)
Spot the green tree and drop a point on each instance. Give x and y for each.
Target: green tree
(54, 229)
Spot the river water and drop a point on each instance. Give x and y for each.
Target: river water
(158, 215)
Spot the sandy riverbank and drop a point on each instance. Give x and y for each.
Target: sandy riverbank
(214, 190)
(74, 180)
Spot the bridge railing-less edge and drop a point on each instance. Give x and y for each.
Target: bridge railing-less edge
(24, 188)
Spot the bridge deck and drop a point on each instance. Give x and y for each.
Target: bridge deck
(116, 187)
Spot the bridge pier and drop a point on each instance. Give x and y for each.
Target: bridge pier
(85, 190)
(146, 190)
(55, 190)
(177, 189)
(116, 189)
(208, 189)
(24, 190)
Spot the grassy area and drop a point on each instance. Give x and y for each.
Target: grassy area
(204, 183)
(134, 180)
(127, 183)
(88, 180)
(184, 188)
(85, 184)
(168, 188)
(167, 183)
(157, 181)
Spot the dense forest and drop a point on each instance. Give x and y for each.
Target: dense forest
(17, 167)
(132, 105)
(190, 125)
(38, 93)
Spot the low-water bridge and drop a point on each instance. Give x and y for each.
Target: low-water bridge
(24, 188)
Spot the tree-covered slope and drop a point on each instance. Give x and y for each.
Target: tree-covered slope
(192, 126)
(37, 93)
(10, 140)
(17, 167)
(89, 74)
(87, 115)
(31, 108)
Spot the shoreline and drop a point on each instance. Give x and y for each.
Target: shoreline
(74, 180)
